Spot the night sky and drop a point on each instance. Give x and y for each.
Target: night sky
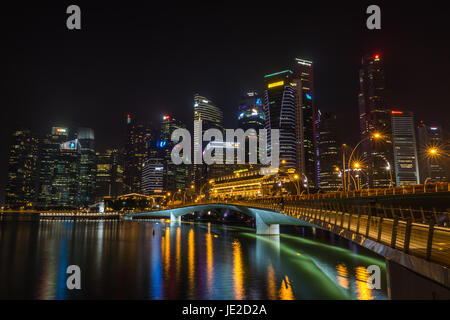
(145, 59)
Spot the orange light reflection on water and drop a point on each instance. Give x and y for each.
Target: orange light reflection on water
(362, 289)
(238, 272)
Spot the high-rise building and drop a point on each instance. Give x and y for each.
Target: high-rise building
(328, 146)
(280, 110)
(136, 151)
(153, 172)
(87, 167)
(431, 168)
(251, 112)
(49, 158)
(176, 176)
(22, 170)
(211, 117)
(109, 181)
(375, 116)
(66, 178)
(250, 116)
(405, 150)
(303, 80)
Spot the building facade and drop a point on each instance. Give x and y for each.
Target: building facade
(135, 152)
(211, 117)
(109, 181)
(375, 116)
(431, 168)
(176, 176)
(405, 148)
(21, 187)
(87, 168)
(305, 119)
(153, 176)
(280, 110)
(250, 116)
(328, 145)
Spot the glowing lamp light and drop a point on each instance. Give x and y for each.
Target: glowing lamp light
(377, 135)
(166, 117)
(433, 151)
(377, 57)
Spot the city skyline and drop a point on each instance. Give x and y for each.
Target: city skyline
(245, 152)
(336, 78)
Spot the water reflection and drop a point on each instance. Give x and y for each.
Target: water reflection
(238, 271)
(159, 260)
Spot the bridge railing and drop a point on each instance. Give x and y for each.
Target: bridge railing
(413, 189)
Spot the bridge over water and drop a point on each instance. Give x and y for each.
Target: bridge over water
(417, 250)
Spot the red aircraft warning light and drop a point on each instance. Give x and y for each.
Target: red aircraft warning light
(377, 57)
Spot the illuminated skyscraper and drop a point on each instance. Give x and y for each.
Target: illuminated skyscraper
(22, 170)
(49, 148)
(87, 168)
(59, 170)
(405, 150)
(303, 80)
(136, 151)
(329, 152)
(375, 116)
(280, 109)
(109, 181)
(251, 113)
(431, 168)
(211, 117)
(250, 116)
(153, 172)
(176, 176)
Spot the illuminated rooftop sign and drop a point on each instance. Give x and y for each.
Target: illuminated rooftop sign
(397, 112)
(275, 84)
(281, 72)
(304, 62)
(69, 145)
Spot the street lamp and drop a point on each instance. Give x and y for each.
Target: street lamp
(375, 136)
(433, 151)
(208, 182)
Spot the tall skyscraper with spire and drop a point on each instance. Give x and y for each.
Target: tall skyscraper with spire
(375, 116)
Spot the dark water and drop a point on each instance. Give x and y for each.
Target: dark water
(159, 260)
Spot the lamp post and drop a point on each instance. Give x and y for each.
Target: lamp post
(184, 194)
(375, 136)
(344, 182)
(294, 180)
(208, 182)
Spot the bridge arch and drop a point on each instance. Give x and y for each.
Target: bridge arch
(267, 221)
